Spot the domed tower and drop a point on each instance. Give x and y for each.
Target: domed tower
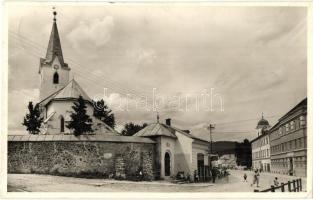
(263, 125)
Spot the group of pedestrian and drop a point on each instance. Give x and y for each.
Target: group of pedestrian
(256, 179)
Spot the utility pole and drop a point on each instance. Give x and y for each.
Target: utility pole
(210, 128)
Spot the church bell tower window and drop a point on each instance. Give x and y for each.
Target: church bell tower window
(56, 78)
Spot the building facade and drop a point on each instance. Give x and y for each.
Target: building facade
(288, 139)
(177, 151)
(261, 147)
(261, 152)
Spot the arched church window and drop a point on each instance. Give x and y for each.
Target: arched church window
(61, 124)
(56, 78)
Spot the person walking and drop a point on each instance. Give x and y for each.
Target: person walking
(256, 178)
(213, 174)
(196, 176)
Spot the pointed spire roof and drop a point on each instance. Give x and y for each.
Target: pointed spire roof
(54, 46)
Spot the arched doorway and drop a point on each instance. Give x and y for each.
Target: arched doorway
(62, 124)
(167, 164)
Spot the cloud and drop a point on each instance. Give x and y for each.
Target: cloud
(255, 57)
(91, 33)
(143, 57)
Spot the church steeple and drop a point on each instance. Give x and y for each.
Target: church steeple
(54, 46)
(54, 73)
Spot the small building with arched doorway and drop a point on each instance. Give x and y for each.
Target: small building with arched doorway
(177, 151)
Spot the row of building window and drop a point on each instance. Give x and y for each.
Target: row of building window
(285, 162)
(287, 146)
(261, 154)
(261, 142)
(291, 126)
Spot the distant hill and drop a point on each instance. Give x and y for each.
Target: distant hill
(224, 147)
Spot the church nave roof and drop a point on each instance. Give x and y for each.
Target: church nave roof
(71, 91)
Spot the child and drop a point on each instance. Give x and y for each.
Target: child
(245, 177)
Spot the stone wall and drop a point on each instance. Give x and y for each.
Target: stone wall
(122, 160)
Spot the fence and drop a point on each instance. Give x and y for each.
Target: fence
(292, 186)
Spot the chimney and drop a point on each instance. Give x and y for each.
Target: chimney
(168, 122)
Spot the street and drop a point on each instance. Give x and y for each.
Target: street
(48, 183)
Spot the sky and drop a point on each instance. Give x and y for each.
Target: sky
(196, 64)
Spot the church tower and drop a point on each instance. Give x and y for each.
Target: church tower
(54, 72)
(262, 126)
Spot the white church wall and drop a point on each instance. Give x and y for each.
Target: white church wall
(62, 108)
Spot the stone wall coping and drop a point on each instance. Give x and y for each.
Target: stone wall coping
(72, 138)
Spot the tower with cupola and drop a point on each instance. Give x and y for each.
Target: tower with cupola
(54, 72)
(262, 126)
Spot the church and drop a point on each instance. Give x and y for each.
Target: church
(174, 151)
(58, 92)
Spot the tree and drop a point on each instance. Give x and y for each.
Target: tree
(103, 113)
(32, 120)
(131, 128)
(81, 122)
(243, 153)
(247, 152)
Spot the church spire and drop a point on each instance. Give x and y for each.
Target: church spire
(54, 46)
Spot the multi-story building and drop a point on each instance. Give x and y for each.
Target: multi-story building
(288, 140)
(261, 152)
(261, 147)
